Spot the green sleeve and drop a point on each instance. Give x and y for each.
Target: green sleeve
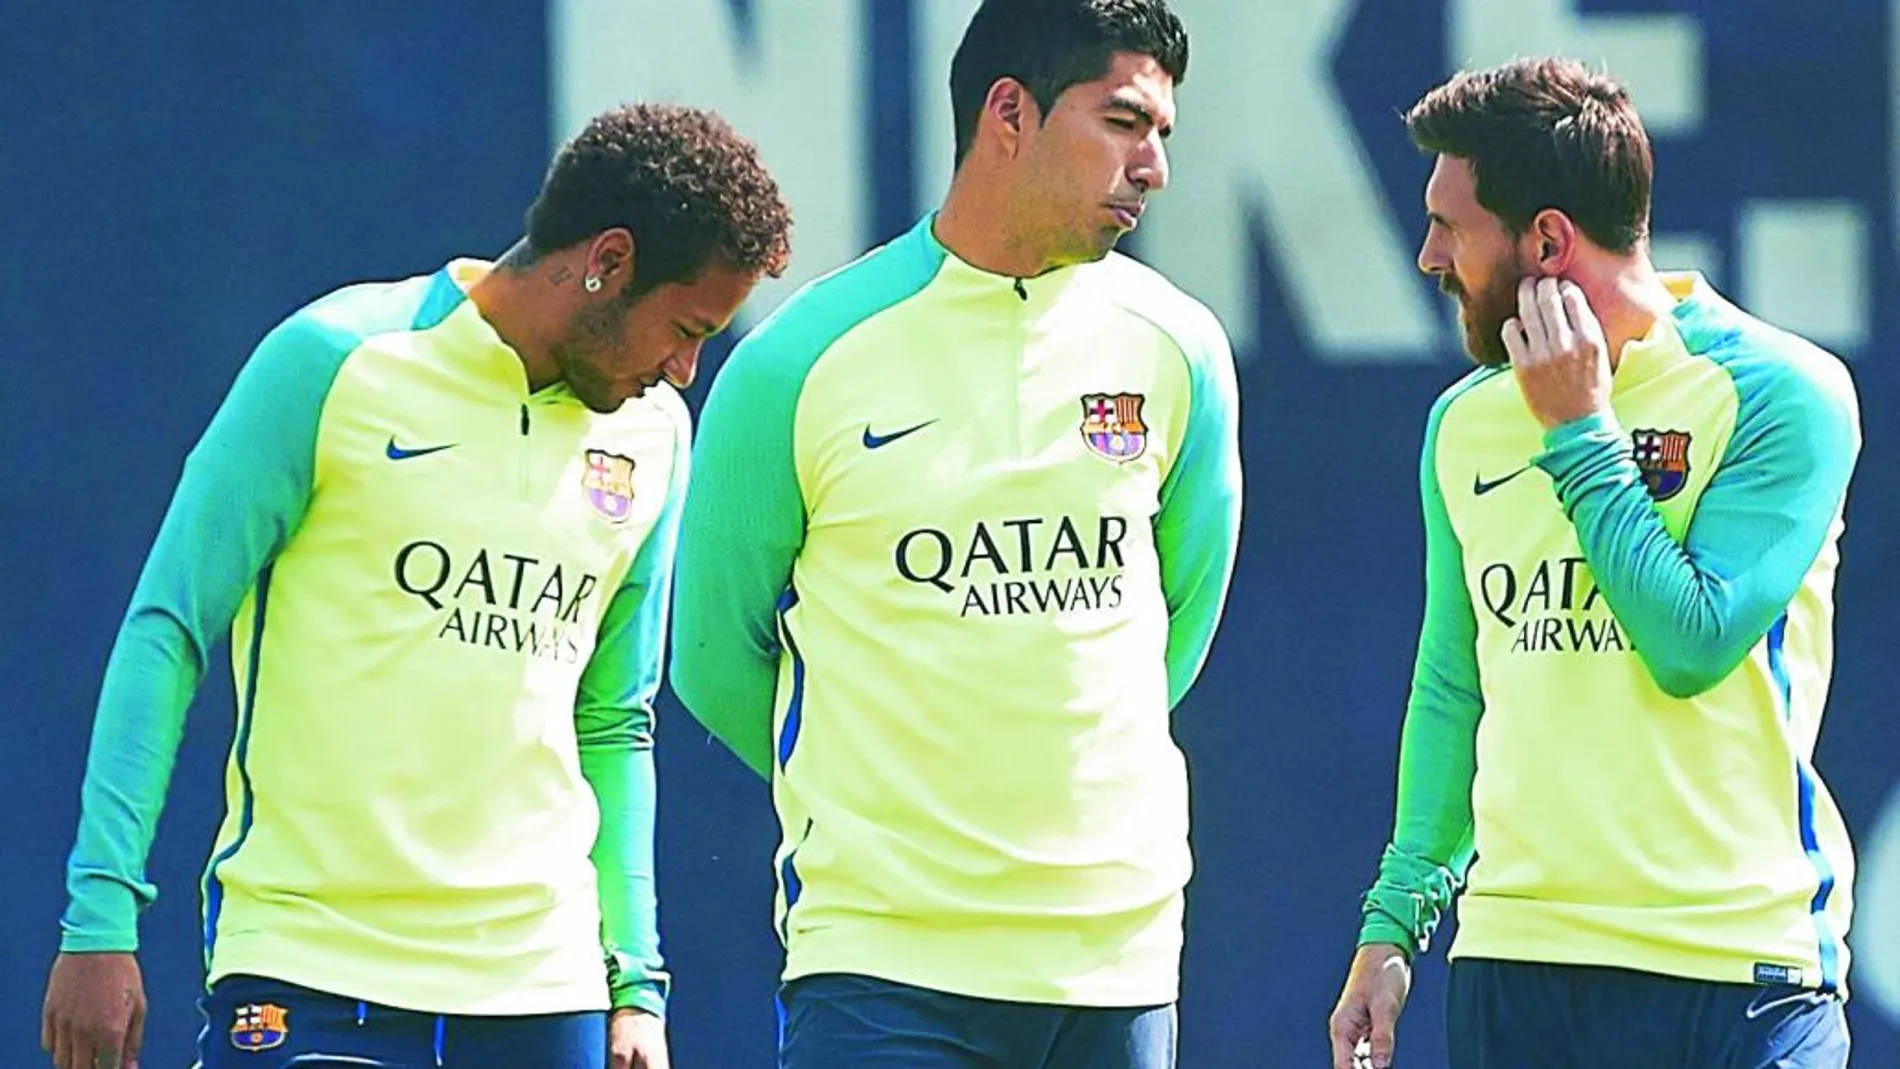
(613, 720)
(240, 497)
(1697, 607)
(1197, 531)
(743, 526)
(1431, 846)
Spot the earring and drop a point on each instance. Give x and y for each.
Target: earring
(592, 284)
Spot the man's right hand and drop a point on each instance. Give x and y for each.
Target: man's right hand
(95, 1012)
(1368, 1010)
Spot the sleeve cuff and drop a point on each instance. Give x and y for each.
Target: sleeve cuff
(101, 917)
(647, 996)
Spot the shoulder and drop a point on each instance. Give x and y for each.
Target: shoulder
(324, 332)
(1465, 395)
(1778, 376)
(796, 333)
(1147, 293)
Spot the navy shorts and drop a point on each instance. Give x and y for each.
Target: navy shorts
(1517, 1015)
(829, 1021)
(252, 1023)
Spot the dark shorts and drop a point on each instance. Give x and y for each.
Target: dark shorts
(251, 1023)
(1507, 1015)
(830, 1021)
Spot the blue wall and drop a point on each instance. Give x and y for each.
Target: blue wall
(172, 187)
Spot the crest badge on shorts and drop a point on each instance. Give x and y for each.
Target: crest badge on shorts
(1112, 427)
(1663, 458)
(260, 1026)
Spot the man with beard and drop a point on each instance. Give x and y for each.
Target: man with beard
(437, 517)
(1632, 513)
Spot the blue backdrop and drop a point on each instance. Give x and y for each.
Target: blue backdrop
(174, 184)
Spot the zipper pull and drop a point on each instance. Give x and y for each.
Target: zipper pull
(1021, 290)
(524, 420)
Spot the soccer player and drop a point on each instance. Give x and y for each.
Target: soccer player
(1632, 510)
(438, 517)
(965, 522)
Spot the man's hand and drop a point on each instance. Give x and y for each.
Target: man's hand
(1558, 352)
(1364, 1022)
(636, 1040)
(94, 1016)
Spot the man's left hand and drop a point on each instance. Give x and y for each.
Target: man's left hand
(1558, 352)
(636, 1040)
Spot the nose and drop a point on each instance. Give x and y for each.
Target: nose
(680, 367)
(1148, 171)
(1432, 259)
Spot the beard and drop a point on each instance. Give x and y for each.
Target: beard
(582, 352)
(1483, 314)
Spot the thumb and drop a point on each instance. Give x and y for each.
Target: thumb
(1385, 1024)
(135, 1035)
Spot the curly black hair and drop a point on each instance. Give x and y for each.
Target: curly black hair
(681, 180)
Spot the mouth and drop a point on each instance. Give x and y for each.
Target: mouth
(1127, 212)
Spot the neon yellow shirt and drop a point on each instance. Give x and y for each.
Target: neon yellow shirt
(1625, 656)
(446, 598)
(958, 545)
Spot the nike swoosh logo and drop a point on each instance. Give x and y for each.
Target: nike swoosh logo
(1481, 488)
(879, 441)
(396, 452)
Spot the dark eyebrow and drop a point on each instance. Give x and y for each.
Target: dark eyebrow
(1139, 110)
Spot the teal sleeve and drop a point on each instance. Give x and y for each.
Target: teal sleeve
(743, 526)
(240, 497)
(1197, 530)
(1695, 608)
(613, 719)
(1431, 847)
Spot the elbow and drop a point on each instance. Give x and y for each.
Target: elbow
(1688, 671)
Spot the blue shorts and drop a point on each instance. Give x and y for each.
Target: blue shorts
(1507, 1015)
(252, 1023)
(830, 1021)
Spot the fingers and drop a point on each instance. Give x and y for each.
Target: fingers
(1516, 345)
(1554, 311)
(1385, 1026)
(135, 1035)
(1577, 310)
(1530, 316)
(1347, 1028)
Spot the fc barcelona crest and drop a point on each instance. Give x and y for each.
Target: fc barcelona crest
(608, 482)
(1112, 427)
(260, 1027)
(1663, 458)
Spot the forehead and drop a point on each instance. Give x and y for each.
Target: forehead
(1134, 77)
(711, 294)
(1452, 190)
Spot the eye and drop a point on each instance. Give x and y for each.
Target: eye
(1122, 122)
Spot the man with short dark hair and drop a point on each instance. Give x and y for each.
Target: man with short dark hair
(965, 520)
(438, 518)
(1632, 511)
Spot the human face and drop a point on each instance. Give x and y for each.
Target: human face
(1473, 257)
(1097, 155)
(613, 350)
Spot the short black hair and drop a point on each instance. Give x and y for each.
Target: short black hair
(685, 184)
(1050, 45)
(1546, 133)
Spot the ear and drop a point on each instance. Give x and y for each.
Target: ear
(1553, 242)
(610, 258)
(1011, 111)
